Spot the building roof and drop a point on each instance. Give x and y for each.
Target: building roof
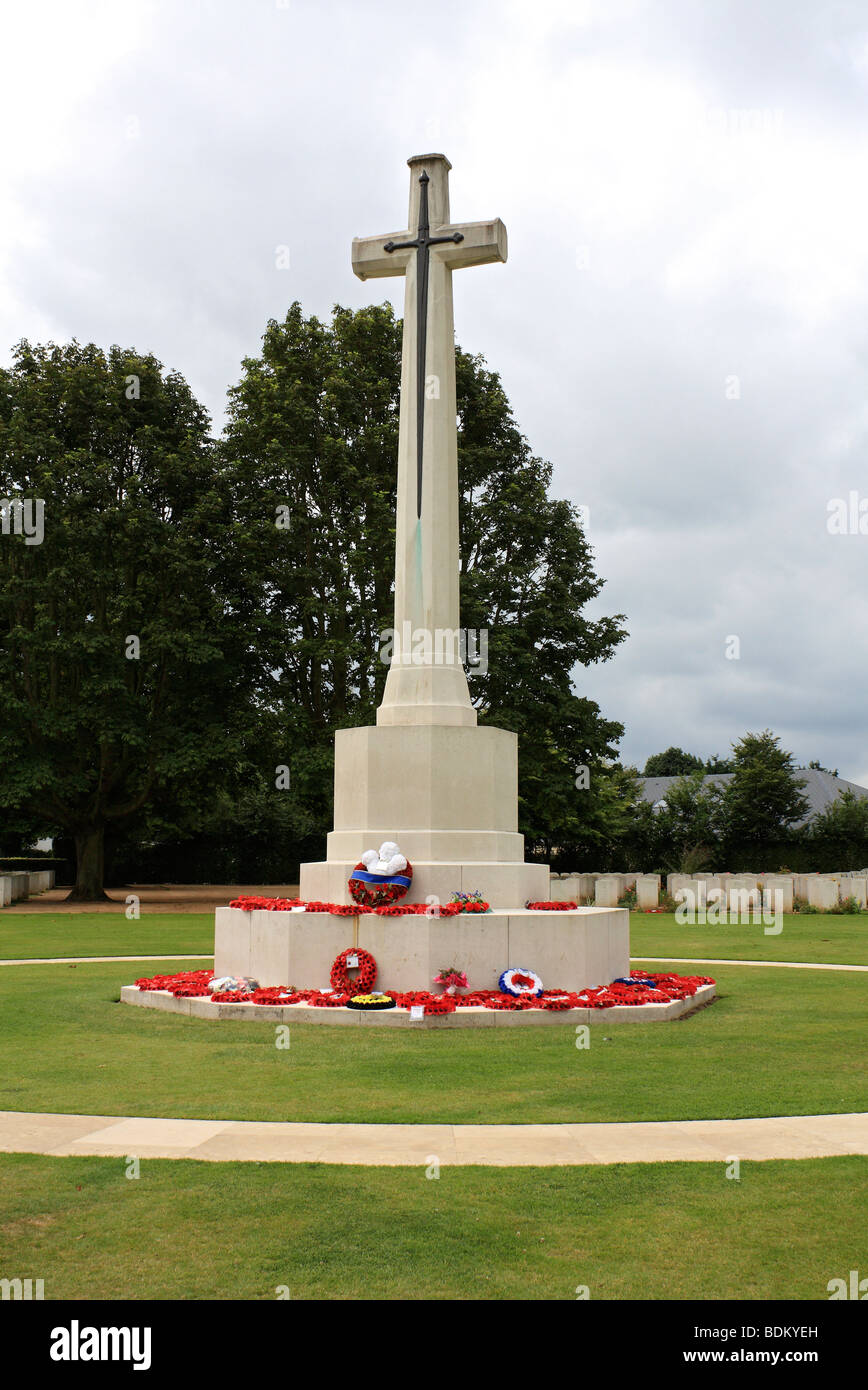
(821, 788)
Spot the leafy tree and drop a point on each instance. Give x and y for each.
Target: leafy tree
(615, 825)
(673, 763)
(763, 801)
(124, 666)
(312, 436)
(717, 764)
(840, 833)
(689, 822)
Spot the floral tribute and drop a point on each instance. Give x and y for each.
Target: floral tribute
(452, 979)
(251, 904)
(640, 987)
(381, 876)
(354, 958)
(470, 902)
(551, 907)
(371, 1001)
(520, 981)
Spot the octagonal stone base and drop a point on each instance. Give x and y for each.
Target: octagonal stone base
(571, 950)
(470, 1017)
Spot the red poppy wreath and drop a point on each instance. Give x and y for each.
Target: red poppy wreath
(381, 877)
(340, 973)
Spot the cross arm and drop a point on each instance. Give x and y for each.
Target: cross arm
(480, 244)
(371, 261)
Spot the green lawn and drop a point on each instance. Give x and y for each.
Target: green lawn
(103, 934)
(186, 1230)
(776, 1042)
(815, 937)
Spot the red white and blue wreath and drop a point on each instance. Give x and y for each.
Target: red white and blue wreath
(381, 877)
(519, 981)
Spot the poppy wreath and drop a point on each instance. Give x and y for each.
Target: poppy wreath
(253, 904)
(377, 890)
(330, 1001)
(440, 1004)
(364, 981)
(371, 1001)
(551, 907)
(520, 982)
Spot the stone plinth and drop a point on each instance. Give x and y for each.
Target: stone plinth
(501, 885)
(441, 792)
(569, 950)
(447, 795)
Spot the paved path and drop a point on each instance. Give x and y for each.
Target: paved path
(669, 960)
(90, 960)
(797, 1136)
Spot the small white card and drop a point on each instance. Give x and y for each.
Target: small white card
(417, 1012)
(352, 962)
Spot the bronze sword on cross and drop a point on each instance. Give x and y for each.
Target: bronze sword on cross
(474, 243)
(421, 243)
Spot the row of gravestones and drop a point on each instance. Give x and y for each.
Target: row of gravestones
(605, 890)
(15, 888)
(819, 890)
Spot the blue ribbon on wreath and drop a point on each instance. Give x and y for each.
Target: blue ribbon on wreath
(381, 878)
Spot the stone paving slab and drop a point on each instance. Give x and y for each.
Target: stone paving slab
(794, 1136)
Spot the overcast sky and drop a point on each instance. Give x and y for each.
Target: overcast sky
(682, 325)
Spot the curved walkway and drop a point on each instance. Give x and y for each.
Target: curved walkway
(795, 1136)
(665, 960)
(96, 960)
(117, 1136)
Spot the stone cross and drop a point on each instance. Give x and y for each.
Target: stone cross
(426, 682)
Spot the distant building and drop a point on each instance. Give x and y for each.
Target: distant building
(821, 789)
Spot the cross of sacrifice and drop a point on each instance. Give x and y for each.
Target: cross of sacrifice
(426, 560)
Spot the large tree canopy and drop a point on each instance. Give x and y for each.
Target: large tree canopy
(123, 679)
(673, 763)
(313, 431)
(764, 800)
(200, 614)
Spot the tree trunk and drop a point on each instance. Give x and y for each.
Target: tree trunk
(90, 866)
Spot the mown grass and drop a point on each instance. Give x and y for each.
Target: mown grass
(776, 1042)
(40, 934)
(187, 1230)
(827, 937)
